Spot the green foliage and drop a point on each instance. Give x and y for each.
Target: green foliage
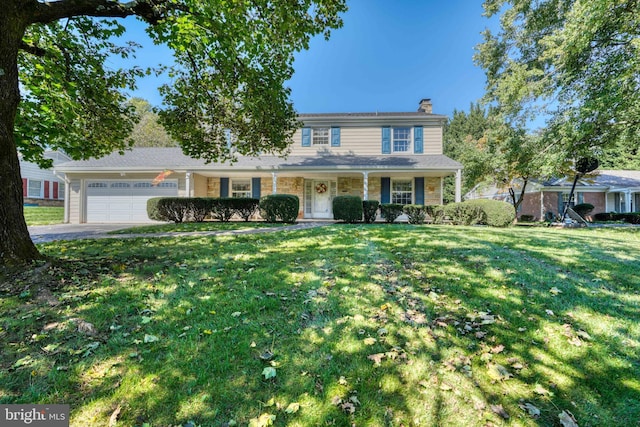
(416, 213)
(390, 211)
(174, 209)
(583, 209)
(574, 63)
(347, 208)
(280, 207)
(526, 218)
(222, 209)
(148, 132)
(630, 217)
(479, 211)
(370, 210)
(245, 207)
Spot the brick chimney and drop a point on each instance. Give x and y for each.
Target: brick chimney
(426, 106)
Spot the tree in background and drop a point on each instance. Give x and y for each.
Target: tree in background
(575, 63)
(231, 62)
(148, 132)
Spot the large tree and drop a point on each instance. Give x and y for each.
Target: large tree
(573, 63)
(232, 59)
(148, 132)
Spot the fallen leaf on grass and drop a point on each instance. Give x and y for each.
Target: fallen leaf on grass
(370, 341)
(150, 338)
(575, 341)
(550, 312)
(348, 407)
(499, 372)
(263, 420)
(113, 420)
(555, 291)
(542, 391)
(236, 314)
(292, 408)
(445, 387)
(377, 358)
(498, 409)
(497, 349)
(567, 419)
(269, 372)
(530, 409)
(584, 335)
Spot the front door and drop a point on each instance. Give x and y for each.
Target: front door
(321, 199)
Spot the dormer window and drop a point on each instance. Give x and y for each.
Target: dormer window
(320, 136)
(401, 142)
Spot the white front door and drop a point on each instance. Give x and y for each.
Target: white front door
(322, 199)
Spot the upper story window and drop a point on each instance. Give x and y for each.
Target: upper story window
(401, 139)
(320, 136)
(241, 188)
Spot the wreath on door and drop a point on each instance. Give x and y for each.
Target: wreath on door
(321, 188)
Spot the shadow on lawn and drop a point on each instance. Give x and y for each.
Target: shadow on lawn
(401, 326)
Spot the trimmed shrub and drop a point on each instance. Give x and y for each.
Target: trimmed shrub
(198, 208)
(222, 209)
(244, 207)
(498, 214)
(606, 216)
(416, 213)
(370, 210)
(464, 213)
(631, 217)
(479, 211)
(390, 211)
(583, 209)
(174, 209)
(280, 207)
(526, 218)
(347, 208)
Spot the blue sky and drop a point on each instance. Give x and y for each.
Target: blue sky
(386, 57)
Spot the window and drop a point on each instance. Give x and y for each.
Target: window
(402, 191)
(120, 185)
(61, 190)
(34, 189)
(241, 188)
(401, 140)
(320, 136)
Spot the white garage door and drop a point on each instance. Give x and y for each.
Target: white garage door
(124, 201)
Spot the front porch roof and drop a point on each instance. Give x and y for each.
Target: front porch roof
(158, 159)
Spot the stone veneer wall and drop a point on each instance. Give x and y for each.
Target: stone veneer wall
(213, 187)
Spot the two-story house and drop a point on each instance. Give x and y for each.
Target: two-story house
(390, 157)
(43, 187)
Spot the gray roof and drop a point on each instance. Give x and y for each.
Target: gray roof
(153, 159)
(410, 114)
(601, 178)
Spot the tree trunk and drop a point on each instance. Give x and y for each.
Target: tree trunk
(16, 246)
(517, 202)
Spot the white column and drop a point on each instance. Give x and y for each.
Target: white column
(627, 201)
(187, 184)
(274, 183)
(365, 193)
(67, 194)
(458, 185)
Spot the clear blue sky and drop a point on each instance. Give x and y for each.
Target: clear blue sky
(388, 55)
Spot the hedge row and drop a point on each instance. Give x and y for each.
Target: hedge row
(352, 209)
(630, 217)
(273, 208)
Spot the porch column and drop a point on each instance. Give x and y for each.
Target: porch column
(187, 184)
(458, 185)
(627, 201)
(365, 193)
(274, 183)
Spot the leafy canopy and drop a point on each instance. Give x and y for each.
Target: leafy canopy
(575, 63)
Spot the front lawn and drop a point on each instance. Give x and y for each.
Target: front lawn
(186, 227)
(43, 215)
(378, 325)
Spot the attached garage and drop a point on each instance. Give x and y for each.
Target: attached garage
(124, 200)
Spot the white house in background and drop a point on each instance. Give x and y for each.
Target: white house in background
(389, 157)
(43, 187)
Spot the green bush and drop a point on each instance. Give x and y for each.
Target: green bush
(416, 213)
(347, 208)
(631, 217)
(464, 213)
(174, 209)
(222, 209)
(198, 208)
(390, 211)
(370, 210)
(583, 209)
(497, 213)
(526, 218)
(244, 207)
(480, 211)
(280, 207)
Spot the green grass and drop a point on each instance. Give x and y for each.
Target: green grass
(382, 325)
(43, 215)
(196, 226)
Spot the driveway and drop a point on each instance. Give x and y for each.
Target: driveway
(49, 233)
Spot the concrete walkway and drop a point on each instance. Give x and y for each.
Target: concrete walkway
(50, 233)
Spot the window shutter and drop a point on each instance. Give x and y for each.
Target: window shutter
(419, 191)
(255, 188)
(24, 187)
(46, 189)
(385, 190)
(224, 187)
(418, 146)
(560, 204)
(386, 140)
(306, 137)
(55, 194)
(335, 137)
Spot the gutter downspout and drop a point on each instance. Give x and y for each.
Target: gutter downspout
(67, 194)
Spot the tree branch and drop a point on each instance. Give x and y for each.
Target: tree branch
(33, 49)
(149, 10)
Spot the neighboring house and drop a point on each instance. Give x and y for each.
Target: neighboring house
(606, 190)
(390, 157)
(43, 187)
